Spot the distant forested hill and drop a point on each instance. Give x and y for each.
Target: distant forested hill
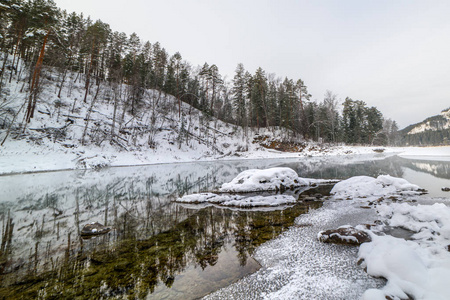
(432, 131)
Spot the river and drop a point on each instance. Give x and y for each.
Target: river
(158, 249)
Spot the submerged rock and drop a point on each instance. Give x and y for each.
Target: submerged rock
(309, 198)
(93, 229)
(344, 235)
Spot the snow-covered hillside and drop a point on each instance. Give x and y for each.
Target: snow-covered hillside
(434, 131)
(439, 122)
(68, 133)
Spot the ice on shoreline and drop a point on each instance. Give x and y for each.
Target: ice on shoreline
(297, 266)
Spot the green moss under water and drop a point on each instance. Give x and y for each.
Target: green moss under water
(121, 265)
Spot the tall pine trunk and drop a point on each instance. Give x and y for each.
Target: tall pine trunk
(35, 83)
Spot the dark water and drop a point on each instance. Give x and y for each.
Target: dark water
(158, 249)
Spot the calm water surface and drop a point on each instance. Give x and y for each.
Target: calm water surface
(158, 249)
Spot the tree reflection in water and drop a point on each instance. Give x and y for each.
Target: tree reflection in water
(154, 240)
(124, 263)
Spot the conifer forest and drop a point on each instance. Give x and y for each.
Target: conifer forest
(44, 45)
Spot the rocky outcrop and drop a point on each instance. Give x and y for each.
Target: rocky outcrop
(346, 235)
(93, 229)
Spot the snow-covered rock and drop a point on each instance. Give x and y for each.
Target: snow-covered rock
(366, 186)
(93, 229)
(264, 180)
(435, 123)
(254, 180)
(344, 235)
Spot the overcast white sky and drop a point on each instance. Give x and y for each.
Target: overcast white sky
(394, 55)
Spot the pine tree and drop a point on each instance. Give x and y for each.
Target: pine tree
(258, 98)
(238, 92)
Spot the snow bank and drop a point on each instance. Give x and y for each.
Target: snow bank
(432, 221)
(408, 268)
(264, 180)
(366, 186)
(238, 200)
(419, 267)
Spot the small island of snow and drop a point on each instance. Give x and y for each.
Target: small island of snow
(251, 181)
(369, 187)
(272, 179)
(238, 200)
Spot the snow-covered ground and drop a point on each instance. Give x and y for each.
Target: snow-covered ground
(427, 153)
(20, 156)
(297, 266)
(68, 133)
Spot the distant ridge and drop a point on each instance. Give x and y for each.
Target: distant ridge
(433, 131)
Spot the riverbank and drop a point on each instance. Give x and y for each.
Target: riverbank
(27, 157)
(297, 266)
(406, 264)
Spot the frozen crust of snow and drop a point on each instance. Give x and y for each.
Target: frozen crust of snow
(264, 180)
(238, 200)
(432, 218)
(366, 186)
